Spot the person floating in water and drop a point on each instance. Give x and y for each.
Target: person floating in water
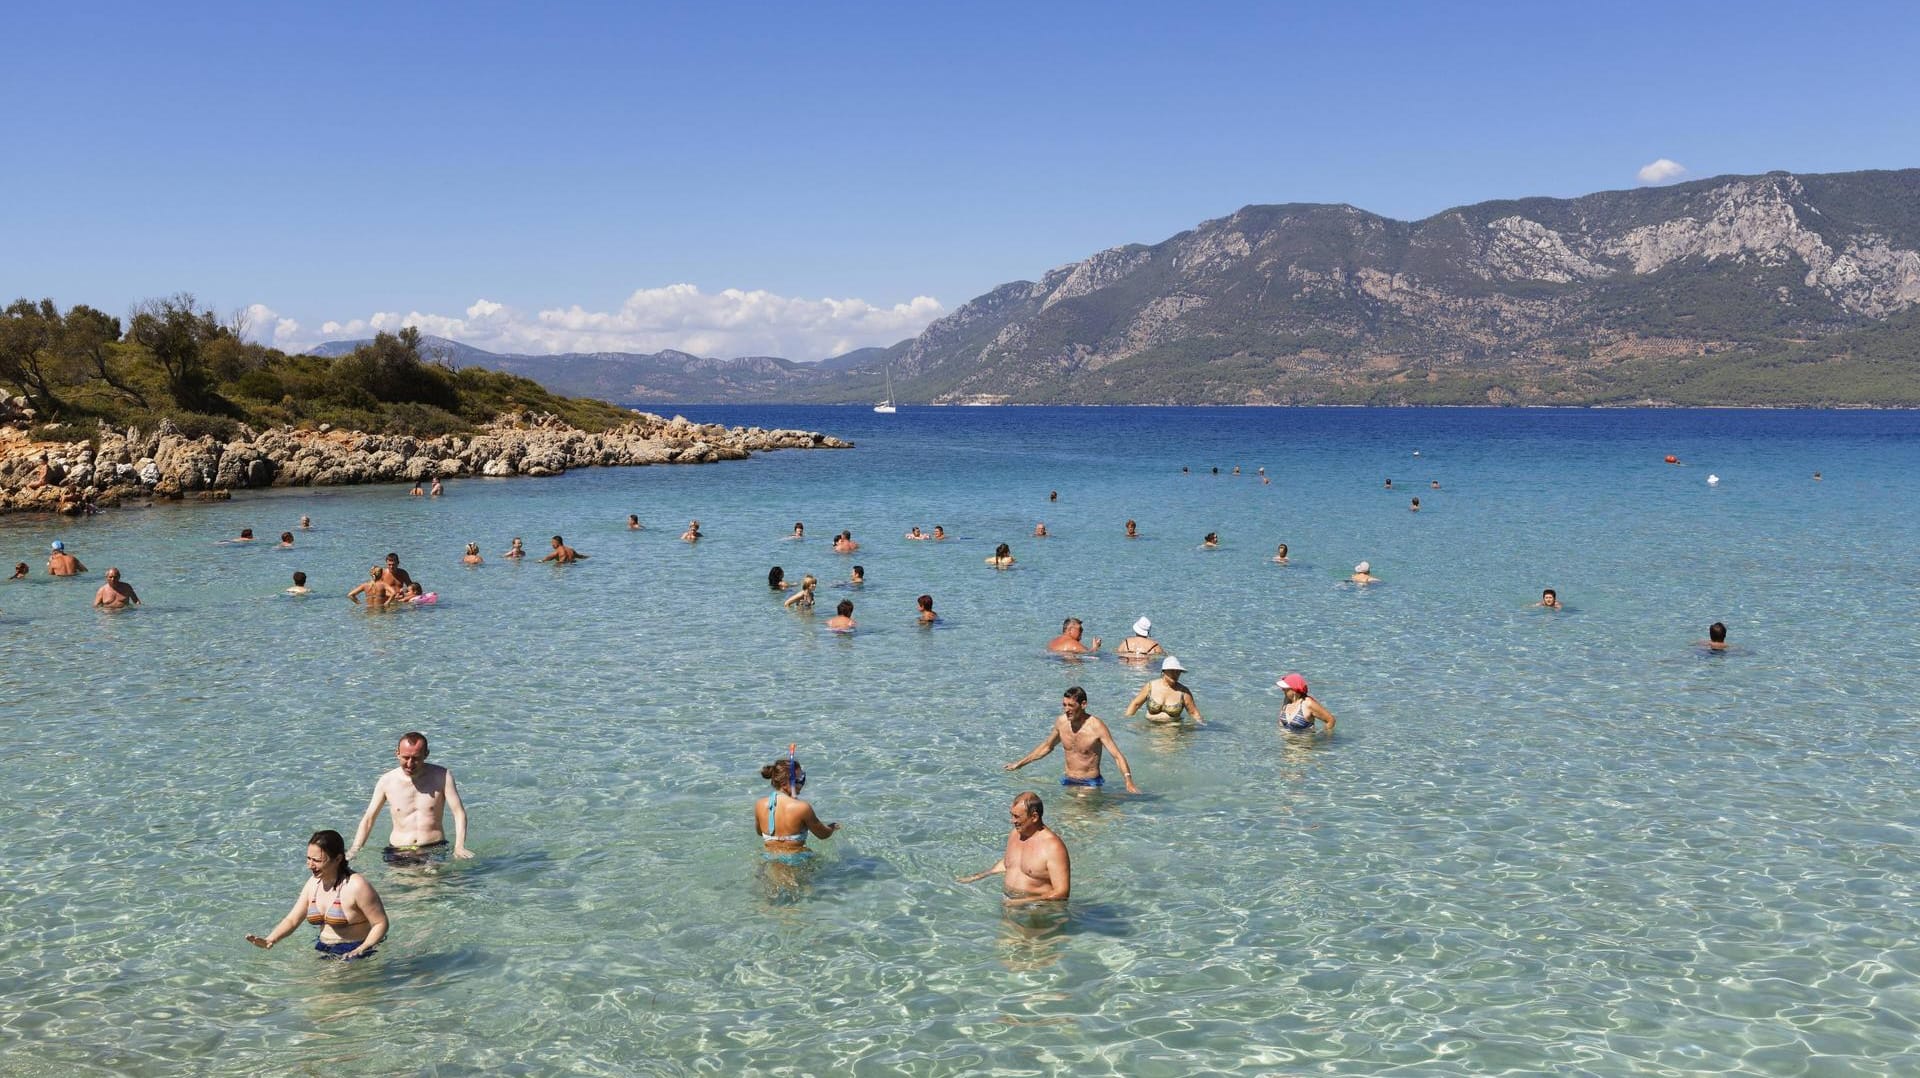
(1280, 554)
(1549, 599)
(939, 533)
(419, 793)
(472, 556)
(1083, 735)
(844, 544)
(1211, 542)
(306, 523)
(1133, 530)
(1716, 637)
(633, 523)
(1002, 557)
(1416, 505)
(286, 541)
(859, 577)
(1298, 710)
(1166, 699)
(927, 616)
(1040, 530)
(842, 619)
(516, 550)
(1068, 641)
(777, 579)
(799, 531)
(339, 900)
(299, 585)
(692, 534)
(916, 534)
(562, 554)
(1363, 574)
(783, 822)
(1035, 864)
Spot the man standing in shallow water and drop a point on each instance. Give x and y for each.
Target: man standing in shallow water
(1035, 863)
(418, 791)
(1083, 734)
(114, 593)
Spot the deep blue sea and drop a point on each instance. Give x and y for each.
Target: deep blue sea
(1562, 842)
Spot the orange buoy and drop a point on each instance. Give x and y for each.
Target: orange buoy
(1671, 459)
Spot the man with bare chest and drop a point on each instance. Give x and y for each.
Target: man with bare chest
(418, 792)
(1084, 736)
(1035, 864)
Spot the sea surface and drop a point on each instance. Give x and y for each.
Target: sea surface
(1539, 842)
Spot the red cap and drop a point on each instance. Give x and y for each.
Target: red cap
(1293, 681)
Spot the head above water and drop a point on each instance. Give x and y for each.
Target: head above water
(1717, 632)
(776, 773)
(925, 601)
(845, 609)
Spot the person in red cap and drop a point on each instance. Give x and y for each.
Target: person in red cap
(1301, 710)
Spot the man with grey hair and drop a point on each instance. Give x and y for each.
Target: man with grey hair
(1035, 864)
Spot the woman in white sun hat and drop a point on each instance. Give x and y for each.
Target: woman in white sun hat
(1166, 699)
(1141, 644)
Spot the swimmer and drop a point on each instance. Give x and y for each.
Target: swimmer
(339, 900)
(1236, 469)
(436, 490)
(472, 556)
(784, 822)
(286, 541)
(562, 554)
(306, 523)
(1416, 505)
(61, 563)
(416, 492)
(842, 619)
(1068, 641)
(1389, 484)
(1035, 864)
(19, 571)
(1434, 484)
(245, 536)
(394, 576)
(1299, 711)
(1053, 495)
(1040, 530)
(516, 550)
(859, 577)
(1716, 637)
(803, 599)
(299, 585)
(777, 579)
(799, 531)
(939, 532)
(1002, 557)
(915, 534)
(375, 588)
(1280, 554)
(1166, 699)
(115, 592)
(1363, 574)
(844, 544)
(1816, 477)
(692, 534)
(1133, 530)
(415, 593)
(420, 794)
(1211, 542)
(1141, 644)
(633, 523)
(1083, 735)
(927, 616)
(1549, 599)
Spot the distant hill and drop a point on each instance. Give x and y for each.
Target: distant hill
(1778, 289)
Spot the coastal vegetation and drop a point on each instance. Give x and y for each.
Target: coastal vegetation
(173, 359)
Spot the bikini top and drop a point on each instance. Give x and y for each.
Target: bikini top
(335, 914)
(1171, 707)
(773, 800)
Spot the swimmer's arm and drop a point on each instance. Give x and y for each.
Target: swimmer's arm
(1126, 769)
(819, 829)
(77, 567)
(133, 596)
(1315, 709)
(999, 869)
(1193, 709)
(1059, 873)
(794, 598)
(375, 912)
(1045, 747)
(459, 819)
(287, 924)
(1145, 691)
(551, 557)
(373, 813)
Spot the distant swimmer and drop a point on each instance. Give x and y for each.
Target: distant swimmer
(783, 822)
(115, 592)
(692, 534)
(1549, 599)
(1236, 469)
(803, 599)
(1363, 574)
(1035, 864)
(633, 523)
(1166, 698)
(1211, 542)
(842, 619)
(1416, 505)
(562, 554)
(61, 563)
(516, 550)
(1133, 530)
(306, 523)
(19, 571)
(844, 544)
(859, 577)
(1716, 637)
(395, 577)
(375, 589)
(1053, 495)
(1434, 484)
(420, 795)
(286, 541)
(1280, 554)
(1002, 557)
(417, 491)
(777, 579)
(1040, 530)
(1069, 639)
(915, 533)
(927, 616)
(472, 556)
(436, 490)
(339, 900)
(1141, 644)
(1389, 484)
(299, 585)
(1298, 710)
(1816, 477)
(799, 531)
(939, 532)
(245, 536)
(1083, 735)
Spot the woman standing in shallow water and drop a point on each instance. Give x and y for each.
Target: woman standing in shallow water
(783, 822)
(351, 918)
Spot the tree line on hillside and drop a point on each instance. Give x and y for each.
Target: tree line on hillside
(173, 359)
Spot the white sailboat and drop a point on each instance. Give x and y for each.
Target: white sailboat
(885, 407)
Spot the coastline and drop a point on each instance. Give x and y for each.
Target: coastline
(128, 467)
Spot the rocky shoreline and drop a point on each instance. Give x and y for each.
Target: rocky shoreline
(134, 467)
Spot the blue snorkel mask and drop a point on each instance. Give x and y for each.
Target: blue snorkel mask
(796, 775)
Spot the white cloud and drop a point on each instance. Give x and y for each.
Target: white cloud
(1661, 171)
(680, 316)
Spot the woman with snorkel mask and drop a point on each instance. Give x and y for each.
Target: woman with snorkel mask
(781, 818)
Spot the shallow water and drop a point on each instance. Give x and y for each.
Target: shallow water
(1540, 841)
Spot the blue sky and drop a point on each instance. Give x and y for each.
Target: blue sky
(795, 179)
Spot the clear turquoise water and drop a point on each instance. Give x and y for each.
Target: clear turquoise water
(1562, 843)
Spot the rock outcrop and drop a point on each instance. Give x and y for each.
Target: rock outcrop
(117, 467)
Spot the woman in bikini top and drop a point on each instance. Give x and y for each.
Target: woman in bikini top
(1166, 699)
(783, 822)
